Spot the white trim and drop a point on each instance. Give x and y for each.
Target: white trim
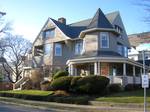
(105, 59)
(59, 29)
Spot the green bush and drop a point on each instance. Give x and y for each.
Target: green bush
(91, 84)
(132, 87)
(60, 74)
(113, 88)
(73, 84)
(61, 83)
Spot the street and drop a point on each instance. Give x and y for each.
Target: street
(14, 108)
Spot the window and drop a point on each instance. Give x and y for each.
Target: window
(104, 40)
(47, 49)
(118, 29)
(120, 49)
(58, 49)
(78, 48)
(49, 33)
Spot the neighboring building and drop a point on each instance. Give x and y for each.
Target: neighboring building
(97, 46)
(141, 42)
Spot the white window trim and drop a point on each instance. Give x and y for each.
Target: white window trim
(60, 50)
(106, 33)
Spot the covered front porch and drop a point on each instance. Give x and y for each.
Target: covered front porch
(120, 70)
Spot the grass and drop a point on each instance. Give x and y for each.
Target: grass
(126, 97)
(29, 92)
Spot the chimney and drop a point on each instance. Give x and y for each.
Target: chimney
(62, 20)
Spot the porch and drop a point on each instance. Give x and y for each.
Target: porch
(122, 71)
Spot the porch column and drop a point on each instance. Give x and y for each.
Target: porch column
(75, 71)
(124, 80)
(124, 69)
(134, 81)
(95, 68)
(98, 69)
(71, 70)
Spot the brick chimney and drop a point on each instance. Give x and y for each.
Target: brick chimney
(62, 20)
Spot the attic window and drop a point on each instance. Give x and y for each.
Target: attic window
(50, 33)
(118, 29)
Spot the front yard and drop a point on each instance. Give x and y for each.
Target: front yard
(126, 97)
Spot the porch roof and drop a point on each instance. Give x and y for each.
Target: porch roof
(105, 59)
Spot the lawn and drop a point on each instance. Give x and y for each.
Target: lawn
(126, 97)
(29, 92)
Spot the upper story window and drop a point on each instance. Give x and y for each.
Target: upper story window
(104, 40)
(118, 28)
(58, 49)
(78, 48)
(49, 33)
(47, 49)
(122, 50)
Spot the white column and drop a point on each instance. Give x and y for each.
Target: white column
(125, 79)
(134, 71)
(124, 69)
(75, 71)
(95, 68)
(99, 68)
(134, 81)
(70, 69)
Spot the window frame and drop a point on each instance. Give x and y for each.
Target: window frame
(50, 49)
(58, 45)
(78, 48)
(49, 33)
(101, 39)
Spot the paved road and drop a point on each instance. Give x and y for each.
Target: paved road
(14, 108)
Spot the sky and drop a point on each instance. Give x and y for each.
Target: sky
(29, 16)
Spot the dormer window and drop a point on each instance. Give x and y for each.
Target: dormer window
(118, 29)
(50, 33)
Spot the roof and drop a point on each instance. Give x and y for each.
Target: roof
(98, 21)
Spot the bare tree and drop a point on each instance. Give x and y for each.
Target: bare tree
(4, 27)
(15, 48)
(145, 5)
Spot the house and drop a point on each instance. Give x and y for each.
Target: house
(95, 46)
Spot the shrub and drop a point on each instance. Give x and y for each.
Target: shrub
(132, 87)
(61, 83)
(73, 84)
(113, 88)
(60, 74)
(91, 84)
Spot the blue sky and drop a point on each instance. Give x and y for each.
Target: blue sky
(28, 16)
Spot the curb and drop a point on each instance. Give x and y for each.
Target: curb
(66, 107)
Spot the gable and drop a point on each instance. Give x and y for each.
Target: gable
(124, 39)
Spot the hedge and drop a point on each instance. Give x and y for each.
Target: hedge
(91, 84)
(60, 74)
(61, 83)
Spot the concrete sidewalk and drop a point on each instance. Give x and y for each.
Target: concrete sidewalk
(70, 107)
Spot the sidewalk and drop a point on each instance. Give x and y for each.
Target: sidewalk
(70, 107)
